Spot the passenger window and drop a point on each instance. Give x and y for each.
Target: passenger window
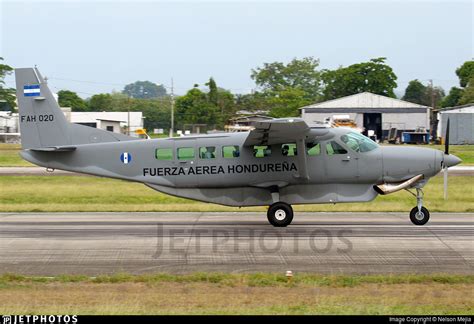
(333, 148)
(164, 154)
(185, 153)
(262, 151)
(231, 151)
(313, 149)
(288, 149)
(207, 152)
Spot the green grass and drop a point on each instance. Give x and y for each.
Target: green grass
(259, 279)
(9, 153)
(9, 156)
(223, 293)
(77, 193)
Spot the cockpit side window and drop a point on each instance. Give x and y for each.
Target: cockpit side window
(358, 142)
(351, 142)
(333, 148)
(313, 149)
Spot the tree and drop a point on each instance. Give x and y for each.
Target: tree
(252, 102)
(415, 92)
(225, 105)
(298, 74)
(144, 90)
(68, 98)
(7, 95)
(435, 94)
(287, 102)
(465, 73)
(195, 108)
(213, 93)
(374, 76)
(468, 94)
(101, 102)
(453, 98)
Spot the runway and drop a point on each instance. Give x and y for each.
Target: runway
(363, 243)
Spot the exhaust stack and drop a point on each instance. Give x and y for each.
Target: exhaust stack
(388, 188)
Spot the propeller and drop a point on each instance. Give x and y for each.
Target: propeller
(445, 165)
(446, 139)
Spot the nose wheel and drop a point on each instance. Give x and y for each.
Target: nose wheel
(280, 214)
(419, 215)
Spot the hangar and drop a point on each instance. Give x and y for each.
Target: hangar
(372, 112)
(461, 119)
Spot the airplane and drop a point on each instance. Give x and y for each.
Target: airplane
(280, 163)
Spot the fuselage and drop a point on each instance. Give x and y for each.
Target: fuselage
(221, 161)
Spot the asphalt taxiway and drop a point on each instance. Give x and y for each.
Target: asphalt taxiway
(364, 243)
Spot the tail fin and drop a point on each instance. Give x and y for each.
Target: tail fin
(43, 124)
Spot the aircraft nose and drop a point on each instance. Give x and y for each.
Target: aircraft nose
(451, 160)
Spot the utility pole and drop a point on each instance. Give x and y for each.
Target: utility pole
(432, 94)
(433, 118)
(128, 115)
(172, 109)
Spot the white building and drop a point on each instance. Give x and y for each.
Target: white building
(461, 124)
(111, 121)
(115, 121)
(372, 112)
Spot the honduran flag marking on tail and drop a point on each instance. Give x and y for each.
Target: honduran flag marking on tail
(126, 158)
(32, 90)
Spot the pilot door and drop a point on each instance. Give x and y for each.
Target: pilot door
(342, 165)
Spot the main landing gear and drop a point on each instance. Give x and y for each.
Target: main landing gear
(419, 215)
(280, 214)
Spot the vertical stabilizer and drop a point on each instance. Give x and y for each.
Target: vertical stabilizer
(42, 123)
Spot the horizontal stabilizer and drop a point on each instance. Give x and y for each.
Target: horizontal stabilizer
(55, 149)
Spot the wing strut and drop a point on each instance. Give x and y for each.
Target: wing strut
(302, 159)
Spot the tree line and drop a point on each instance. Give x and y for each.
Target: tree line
(281, 88)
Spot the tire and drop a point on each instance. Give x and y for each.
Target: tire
(280, 214)
(419, 218)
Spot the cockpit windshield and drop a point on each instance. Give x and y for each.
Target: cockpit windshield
(358, 142)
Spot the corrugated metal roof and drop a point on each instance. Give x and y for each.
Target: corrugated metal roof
(468, 109)
(365, 100)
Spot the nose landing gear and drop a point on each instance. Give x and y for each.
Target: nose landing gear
(419, 215)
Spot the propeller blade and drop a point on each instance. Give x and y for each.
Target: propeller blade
(446, 139)
(445, 182)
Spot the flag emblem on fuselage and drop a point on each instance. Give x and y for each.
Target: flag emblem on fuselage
(31, 90)
(126, 158)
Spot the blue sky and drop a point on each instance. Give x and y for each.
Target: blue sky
(112, 43)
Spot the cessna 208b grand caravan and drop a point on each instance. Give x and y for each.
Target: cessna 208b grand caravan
(280, 163)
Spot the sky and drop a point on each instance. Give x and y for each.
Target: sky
(98, 46)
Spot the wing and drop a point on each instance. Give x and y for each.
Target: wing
(277, 131)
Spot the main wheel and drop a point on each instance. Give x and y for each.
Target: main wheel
(280, 214)
(419, 217)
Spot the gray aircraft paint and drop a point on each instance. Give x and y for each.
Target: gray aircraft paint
(239, 181)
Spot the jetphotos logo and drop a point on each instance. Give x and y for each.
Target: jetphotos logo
(126, 158)
(37, 319)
